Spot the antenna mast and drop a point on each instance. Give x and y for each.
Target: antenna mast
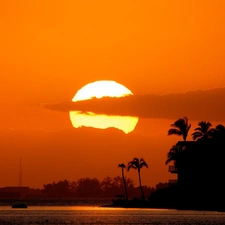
(20, 175)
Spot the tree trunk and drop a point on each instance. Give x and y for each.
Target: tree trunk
(124, 183)
(139, 176)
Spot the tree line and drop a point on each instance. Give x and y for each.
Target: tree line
(88, 187)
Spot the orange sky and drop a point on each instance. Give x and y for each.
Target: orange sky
(50, 49)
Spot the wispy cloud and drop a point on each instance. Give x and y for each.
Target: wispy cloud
(197, 105)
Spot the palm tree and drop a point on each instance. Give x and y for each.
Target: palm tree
(123, 166)
(220, 128)
(174, 154)
(180, 127)
(220, 132)
(137, 164)
(204, 131)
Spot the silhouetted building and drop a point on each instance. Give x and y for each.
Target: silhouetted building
(200, 174)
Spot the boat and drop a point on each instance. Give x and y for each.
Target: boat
(19, 205)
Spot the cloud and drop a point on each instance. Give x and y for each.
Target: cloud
(196, 105)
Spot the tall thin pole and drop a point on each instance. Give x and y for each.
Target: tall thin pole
(20, 175)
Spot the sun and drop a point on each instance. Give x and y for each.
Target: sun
(99, 89)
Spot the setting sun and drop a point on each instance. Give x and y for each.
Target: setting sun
(101, 89)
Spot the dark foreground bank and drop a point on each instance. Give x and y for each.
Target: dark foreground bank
(148, 204)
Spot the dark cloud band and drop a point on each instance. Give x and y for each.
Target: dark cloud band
(197, 105)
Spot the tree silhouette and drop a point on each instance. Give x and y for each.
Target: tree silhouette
(60, 188)
(180, 127)
(174, 155)
(221, 128)
(123, 166)
(204, 131)
(137, 164)
(88, 187)
(220, 132)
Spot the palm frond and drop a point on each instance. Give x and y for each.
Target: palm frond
(136, 159)
(197, 135)
(174, 153)
(204, 131)
(188, 128)
(132, 164)
(198, 129)
(137, 163)
(181, 127)
(122, 165)
(178, 123)
(143, 163)
(211, 132)
(204, 126)
(168, 161)
(174, 131)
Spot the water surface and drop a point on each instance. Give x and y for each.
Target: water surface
(95, 215)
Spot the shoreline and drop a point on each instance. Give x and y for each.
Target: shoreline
(127, 206)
